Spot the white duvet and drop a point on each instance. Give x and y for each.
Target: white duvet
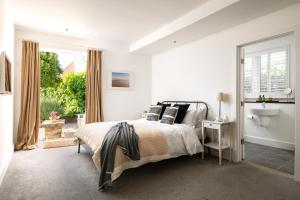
(181, 139)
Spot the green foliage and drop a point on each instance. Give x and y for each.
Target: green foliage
(69, 94)
(64, 95)
(72, 91)
(48, 104)
(50, 70)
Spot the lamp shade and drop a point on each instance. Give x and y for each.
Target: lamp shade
(220, 96)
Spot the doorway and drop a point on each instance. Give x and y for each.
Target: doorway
(267, 110)
(62, 96)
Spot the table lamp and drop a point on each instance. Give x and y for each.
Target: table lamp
(220, 98)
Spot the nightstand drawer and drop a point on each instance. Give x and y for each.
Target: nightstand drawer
(211, 125)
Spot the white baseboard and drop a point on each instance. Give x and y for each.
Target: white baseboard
(5, 164)
(270, 142)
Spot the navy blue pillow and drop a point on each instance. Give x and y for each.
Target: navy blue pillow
(164, 105)
(182, 108)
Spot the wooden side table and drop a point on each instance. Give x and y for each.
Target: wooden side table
(220, 146)
(53, 129)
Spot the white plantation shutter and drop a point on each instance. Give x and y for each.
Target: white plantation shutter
(266, 73)
(278, 71)
(248, 64)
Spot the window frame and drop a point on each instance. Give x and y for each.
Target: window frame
(256, 55)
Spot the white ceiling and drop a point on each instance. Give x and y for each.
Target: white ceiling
(235, 12)
(123, 21)
(143, 26)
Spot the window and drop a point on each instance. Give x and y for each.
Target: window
(266, 72)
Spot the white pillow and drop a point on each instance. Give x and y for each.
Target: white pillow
(194, 117)
(199, 116)
(189, 118)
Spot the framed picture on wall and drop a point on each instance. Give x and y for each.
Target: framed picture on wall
(120, 79)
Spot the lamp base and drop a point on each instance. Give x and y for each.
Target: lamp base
(218, 119)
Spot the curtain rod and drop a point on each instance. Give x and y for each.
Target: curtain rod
(56, 45)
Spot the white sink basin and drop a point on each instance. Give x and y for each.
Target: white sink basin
(265, 112)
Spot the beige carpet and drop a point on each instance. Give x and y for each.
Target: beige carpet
(63, 174)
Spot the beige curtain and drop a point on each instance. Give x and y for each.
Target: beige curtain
(30, 97)
(93, 87)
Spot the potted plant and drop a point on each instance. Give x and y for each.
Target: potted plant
(53, 116)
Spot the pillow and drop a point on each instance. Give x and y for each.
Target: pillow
(154, 112)
(194, 117)
(164, 105)
(169, 115)
(199, 116)
(190, 118)
(182, 108)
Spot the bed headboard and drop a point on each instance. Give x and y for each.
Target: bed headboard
(197, 103)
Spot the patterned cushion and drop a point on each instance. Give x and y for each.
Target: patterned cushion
(164, 105)
(154, 112)
(169, 115)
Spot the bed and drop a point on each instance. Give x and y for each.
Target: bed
(157, 141)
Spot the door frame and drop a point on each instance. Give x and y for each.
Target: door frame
(239, 93)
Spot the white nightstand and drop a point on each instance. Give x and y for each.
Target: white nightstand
(220, 126)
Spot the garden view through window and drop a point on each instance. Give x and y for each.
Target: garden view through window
(62, 91)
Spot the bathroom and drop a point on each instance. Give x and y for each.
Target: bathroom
(269, 103)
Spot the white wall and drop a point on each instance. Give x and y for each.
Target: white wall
(117, 104)
(279, 133)
(121, 104)
(6, 102)
(194, 73)
(202, 68)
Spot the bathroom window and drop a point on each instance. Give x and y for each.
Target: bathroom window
(267, 72)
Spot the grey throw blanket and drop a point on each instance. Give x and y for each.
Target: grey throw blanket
(121, 134)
